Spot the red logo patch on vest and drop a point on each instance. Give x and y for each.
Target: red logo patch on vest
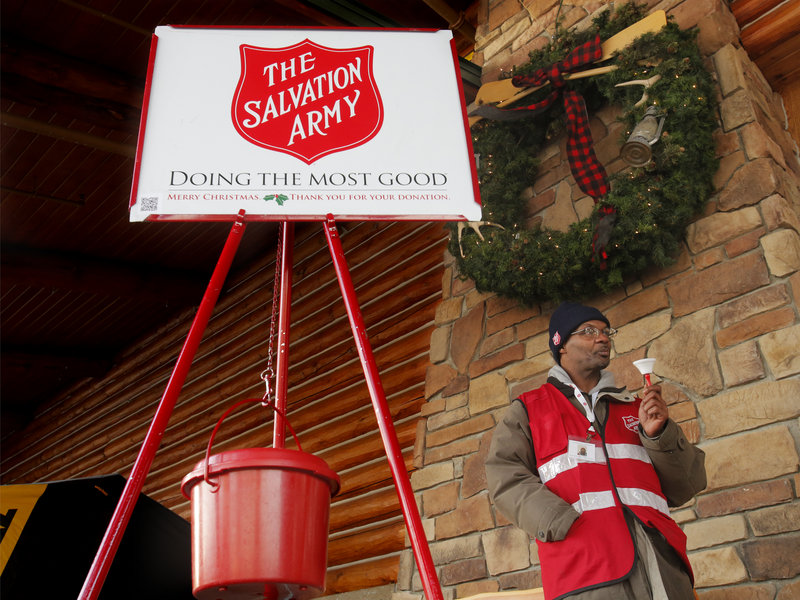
(307, 100)
(631, 422)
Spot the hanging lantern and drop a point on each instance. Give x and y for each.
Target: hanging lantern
(637, 151)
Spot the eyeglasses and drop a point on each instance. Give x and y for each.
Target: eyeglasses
(594, 332)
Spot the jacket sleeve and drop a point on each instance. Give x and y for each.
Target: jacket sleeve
(679, 464)
(514, 484)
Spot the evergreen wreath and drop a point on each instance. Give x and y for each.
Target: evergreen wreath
(653, 204)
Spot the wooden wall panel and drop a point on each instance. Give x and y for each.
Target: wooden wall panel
(97, 427)
(362, 575)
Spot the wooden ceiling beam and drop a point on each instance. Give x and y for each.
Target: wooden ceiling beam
(106, 17)
(353, 13)
(746, 11)
(781, 64)
(37, 77)
(56, 70)
(60, 271)
(87, 109)
(322, 18)
(772, 28)
(33, 195)
(68, 135)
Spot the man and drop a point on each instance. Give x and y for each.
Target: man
(589, 472)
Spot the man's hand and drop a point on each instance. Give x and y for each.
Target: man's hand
(653, 413)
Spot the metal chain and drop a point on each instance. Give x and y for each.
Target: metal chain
(269, 372)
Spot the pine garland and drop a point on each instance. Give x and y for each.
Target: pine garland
(654, 203)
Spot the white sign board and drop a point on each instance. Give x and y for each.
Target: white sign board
(290, 124)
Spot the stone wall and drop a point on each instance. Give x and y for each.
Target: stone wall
(722, 322)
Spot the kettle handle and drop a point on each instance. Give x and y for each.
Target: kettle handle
(264, 402)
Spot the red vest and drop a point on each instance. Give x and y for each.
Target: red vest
(597, 477)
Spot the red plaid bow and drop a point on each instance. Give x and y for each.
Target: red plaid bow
(587, 170)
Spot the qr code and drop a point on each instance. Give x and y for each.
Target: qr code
(149, 204)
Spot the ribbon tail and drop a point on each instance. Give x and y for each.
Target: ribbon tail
(589, 174)
(602, 235)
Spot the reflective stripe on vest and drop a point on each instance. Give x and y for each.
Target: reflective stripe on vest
(629, 496)
(564, 462)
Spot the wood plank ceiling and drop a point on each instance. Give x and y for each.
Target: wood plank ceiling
(79, 282)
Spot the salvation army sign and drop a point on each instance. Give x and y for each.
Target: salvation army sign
(300, 124)
(320, 100)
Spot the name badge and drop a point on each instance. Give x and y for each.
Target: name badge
(581, 450)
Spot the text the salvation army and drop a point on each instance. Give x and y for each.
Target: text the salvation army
(310, 89)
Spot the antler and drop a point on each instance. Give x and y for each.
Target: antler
(475, 226)
(643, 82)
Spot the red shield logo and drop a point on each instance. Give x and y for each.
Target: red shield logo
(631, 422)
(307, 100)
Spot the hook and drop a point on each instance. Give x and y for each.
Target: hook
(265, 376)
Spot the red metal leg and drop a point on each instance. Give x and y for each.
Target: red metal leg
(133, 487)
(416, 533)
(282, 364)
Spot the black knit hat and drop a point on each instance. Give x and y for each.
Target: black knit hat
(566, 319)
